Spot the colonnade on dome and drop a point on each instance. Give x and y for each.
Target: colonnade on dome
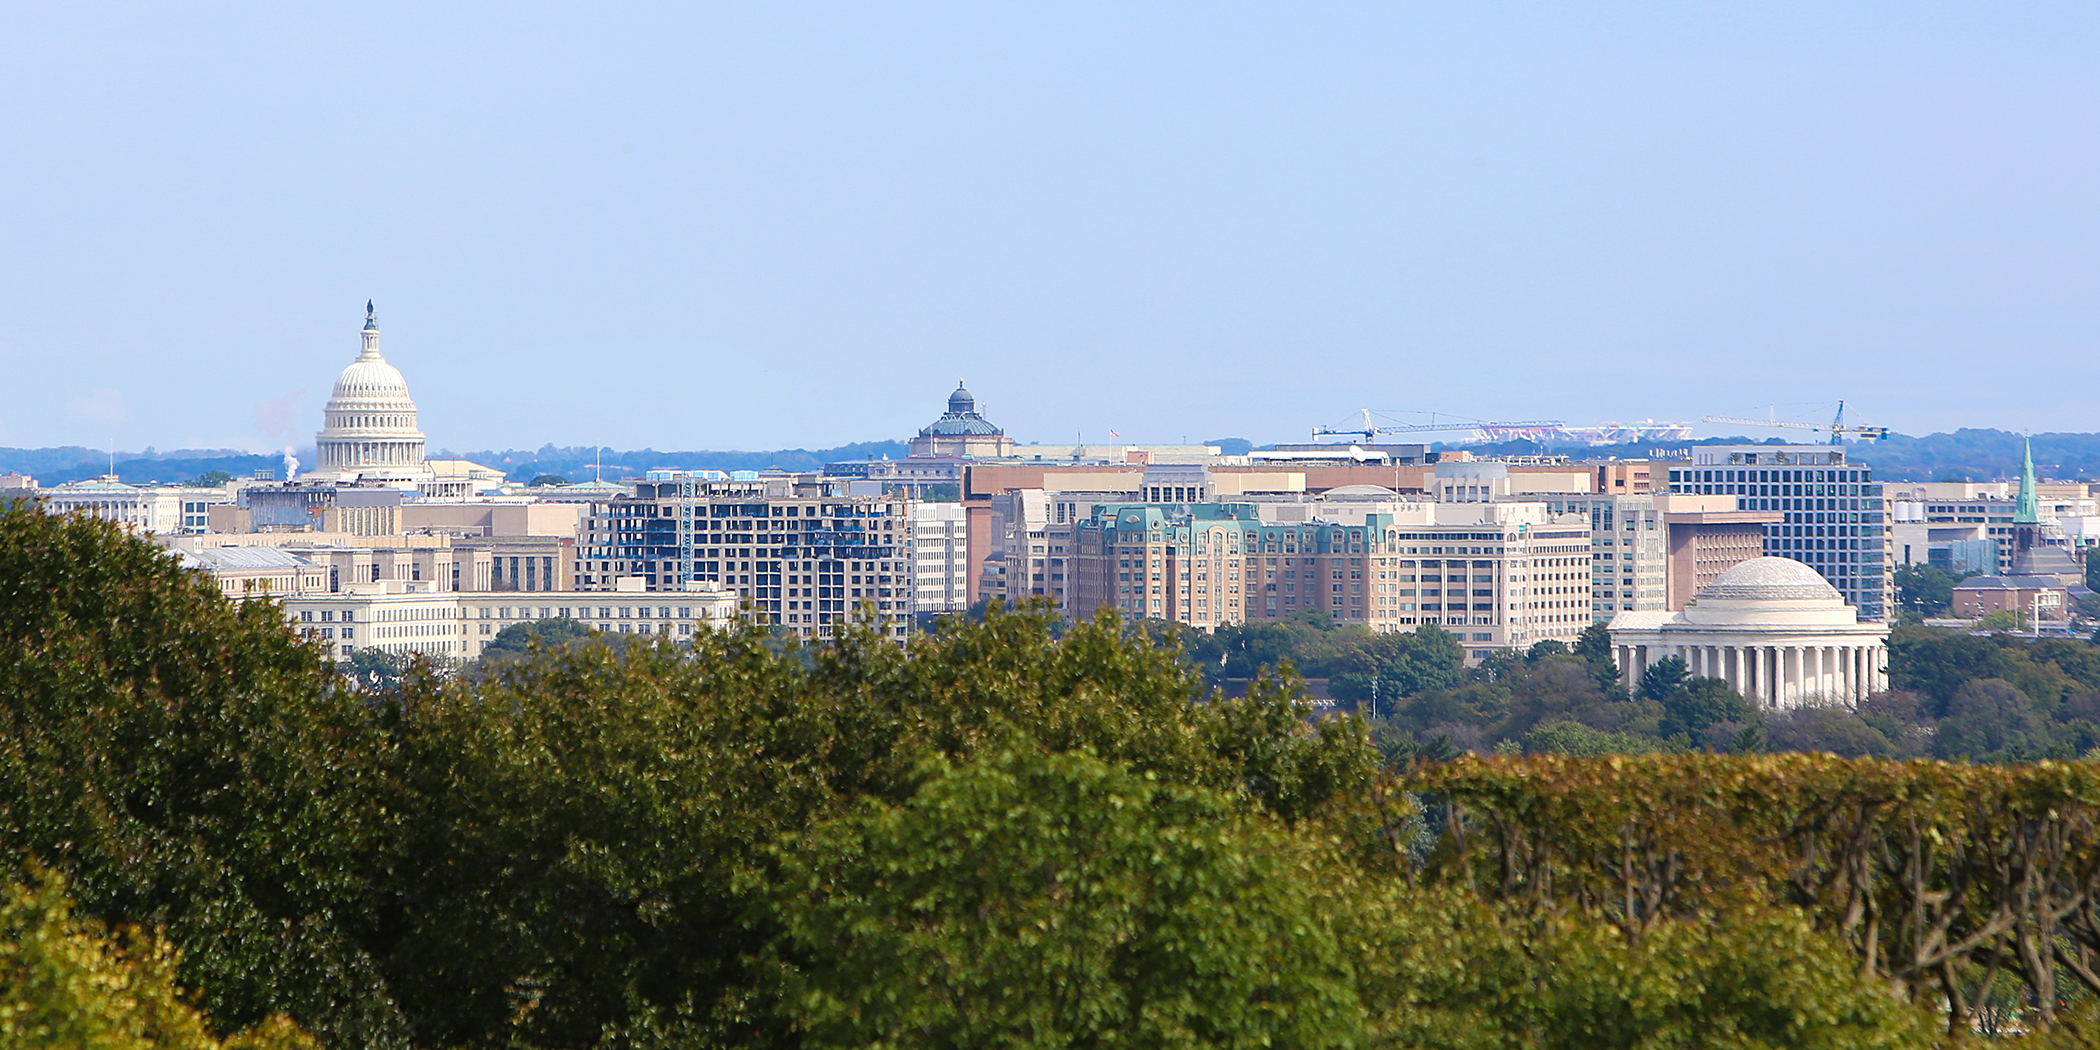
(369, 424)
(1774, 672)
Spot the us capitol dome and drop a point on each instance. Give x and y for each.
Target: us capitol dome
(369, 426)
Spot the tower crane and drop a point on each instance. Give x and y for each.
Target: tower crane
(1535, 429)
(1836, 426)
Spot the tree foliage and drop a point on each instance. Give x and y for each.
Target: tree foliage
(1016, 831)
(192, 765)
(66, 983)
(1025, 899)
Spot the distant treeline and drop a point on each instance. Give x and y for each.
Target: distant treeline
(1964, 455)
(52, 466)
(582, 463)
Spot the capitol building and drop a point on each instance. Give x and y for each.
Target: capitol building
(369, 435)
(369, 427)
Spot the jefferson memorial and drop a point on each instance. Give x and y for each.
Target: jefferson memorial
(1772, 628)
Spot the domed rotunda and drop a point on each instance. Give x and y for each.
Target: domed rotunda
(1774, 629)
(962, 432)
(369, 426)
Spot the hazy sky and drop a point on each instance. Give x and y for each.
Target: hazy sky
(774, 225)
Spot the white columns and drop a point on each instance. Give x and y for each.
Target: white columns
(1790, 675)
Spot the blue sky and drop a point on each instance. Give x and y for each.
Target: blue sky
(775, 225)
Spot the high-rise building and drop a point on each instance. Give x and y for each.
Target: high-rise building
(800, 550)
(1831, 513)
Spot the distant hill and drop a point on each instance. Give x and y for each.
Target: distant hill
(55, 466)
(1964, 455)
(581, 463)
(1967, 454)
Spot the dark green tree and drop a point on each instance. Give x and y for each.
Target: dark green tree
(1991, 720)
(1926, 591)
(517, 639)
(375, 670)
(1544, 648)
(1938, 662)
(191, 765)
(1662, 677)
(1699, 704)
(209, 479)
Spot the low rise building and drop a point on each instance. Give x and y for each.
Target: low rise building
(415, 618)
(159, 509)
(250, 572)
(2034, 597)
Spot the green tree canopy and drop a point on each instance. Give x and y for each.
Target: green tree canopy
(1025, 899)
(1662, 677)
(1699, 704)
(66, 983)
(193, 765)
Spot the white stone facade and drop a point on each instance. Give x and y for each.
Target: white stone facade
(369, 427)
(1773, 629)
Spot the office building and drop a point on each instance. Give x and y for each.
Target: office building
(939, 559)
(1029, 549)
(1832, 517)
(2036, 598)
(800, 550)
(411, 618)
(1496, 574)
(157, 509)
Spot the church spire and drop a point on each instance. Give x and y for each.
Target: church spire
(2027, 510)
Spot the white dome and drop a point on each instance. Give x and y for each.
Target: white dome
(368, 378)
(1770, 591)
(368, 428)
(1770, 579)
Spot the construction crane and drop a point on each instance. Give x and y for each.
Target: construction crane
(1836, 426)
(1532, 430)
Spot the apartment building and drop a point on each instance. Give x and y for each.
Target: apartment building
(1498, 575)
(1832, 516)
(801, 551)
